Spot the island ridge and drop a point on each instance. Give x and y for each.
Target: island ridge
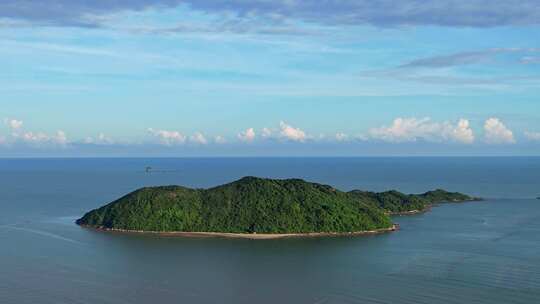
(261, 206)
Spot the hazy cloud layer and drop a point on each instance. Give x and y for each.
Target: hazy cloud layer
(229, 25)
(533, 136)
(530, 60)
(465, 58)
(384, 13)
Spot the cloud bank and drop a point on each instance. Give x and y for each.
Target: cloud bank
(402, 130)
(33, 138)
(533, 136)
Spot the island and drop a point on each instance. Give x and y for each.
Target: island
(255, 207)
(397, 203)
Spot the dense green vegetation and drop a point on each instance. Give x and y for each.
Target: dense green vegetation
(396, 202)
(257, 205)
(245, 206)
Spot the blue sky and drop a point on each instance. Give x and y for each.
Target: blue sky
(273, 78)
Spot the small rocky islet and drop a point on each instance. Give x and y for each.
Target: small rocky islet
(261, 206)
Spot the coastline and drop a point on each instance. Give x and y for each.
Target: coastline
(251, 236)
(429, 207)
(410, 212)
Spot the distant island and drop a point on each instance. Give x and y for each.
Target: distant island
(255, 207)
(397, 203)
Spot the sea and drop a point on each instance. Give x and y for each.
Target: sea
(476, 252)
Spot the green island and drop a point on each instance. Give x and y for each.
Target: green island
(260, 208)
(397, 203)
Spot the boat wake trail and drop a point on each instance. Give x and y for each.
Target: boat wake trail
(42, 233)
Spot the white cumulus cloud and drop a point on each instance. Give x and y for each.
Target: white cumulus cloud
(342, 137)
(403, 130)
(462, 132)
(291, 133)
(361, 137)
(34, 138)
(247, 135)
(220, 139)
(266, 132)
(38, 138)
(496, 132)
(31, 137)
(198, 138)
(101, 139)
(14, 124)
(168, 137)
(413, 129)
(60, 138)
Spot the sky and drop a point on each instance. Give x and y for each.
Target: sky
(269, 78)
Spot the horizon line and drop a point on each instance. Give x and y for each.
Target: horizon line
(266, 156)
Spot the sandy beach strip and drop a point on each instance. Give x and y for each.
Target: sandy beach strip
(252, 236)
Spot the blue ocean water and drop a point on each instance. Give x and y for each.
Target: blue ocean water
(478, 252)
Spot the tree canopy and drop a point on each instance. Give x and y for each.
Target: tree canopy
(256, 205)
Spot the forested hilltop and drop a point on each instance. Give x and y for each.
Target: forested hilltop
(395, 202)
(258, 205)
